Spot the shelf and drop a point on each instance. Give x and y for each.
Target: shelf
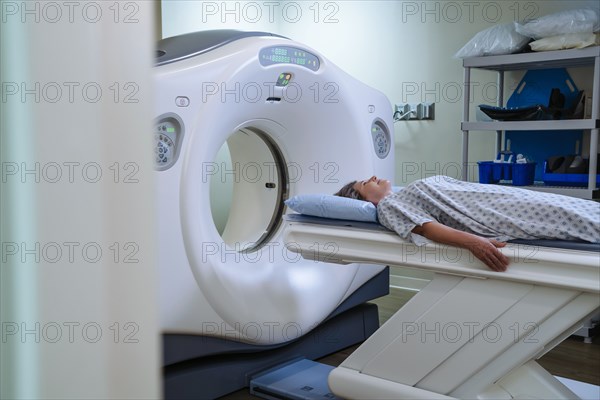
(536, 60)
(588, 57)
(551, 125)
(579, 192)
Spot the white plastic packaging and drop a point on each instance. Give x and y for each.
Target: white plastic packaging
(568, 21)
(566, 41)
(499, 39)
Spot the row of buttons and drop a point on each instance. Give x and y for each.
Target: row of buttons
(161, 151)
(163, 148)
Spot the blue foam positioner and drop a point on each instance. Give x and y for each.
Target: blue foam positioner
(535, 88)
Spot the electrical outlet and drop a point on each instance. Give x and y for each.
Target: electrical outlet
(404, 111)
(403, 108)
(420, 111)
(426, 111)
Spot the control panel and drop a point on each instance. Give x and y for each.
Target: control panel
(168, 134)
(288, 55)
(381, 138)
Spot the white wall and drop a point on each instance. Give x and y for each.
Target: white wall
(403, 48)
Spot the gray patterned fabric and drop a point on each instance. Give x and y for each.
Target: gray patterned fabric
(492, 211)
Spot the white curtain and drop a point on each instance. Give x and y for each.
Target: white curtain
(78, 284)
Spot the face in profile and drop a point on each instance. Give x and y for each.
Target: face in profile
(373, 189)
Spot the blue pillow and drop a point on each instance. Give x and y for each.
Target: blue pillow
(336, 207)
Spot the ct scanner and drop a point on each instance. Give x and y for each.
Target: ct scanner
(236, 300)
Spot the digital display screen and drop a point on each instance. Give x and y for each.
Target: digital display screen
(288, 55)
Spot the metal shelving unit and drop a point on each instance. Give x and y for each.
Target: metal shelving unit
(527, 61)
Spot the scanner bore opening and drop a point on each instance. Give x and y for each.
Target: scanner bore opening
(248, 187)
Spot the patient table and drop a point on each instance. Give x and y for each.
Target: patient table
(471, 332)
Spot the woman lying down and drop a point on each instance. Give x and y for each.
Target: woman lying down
(477, 217)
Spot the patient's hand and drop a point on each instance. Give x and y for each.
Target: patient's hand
(484, 249)
(487, 251)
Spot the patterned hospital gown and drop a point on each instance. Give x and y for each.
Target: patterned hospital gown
(497, 212)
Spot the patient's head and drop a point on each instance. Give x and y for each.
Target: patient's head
(348, 191)
(371, 189)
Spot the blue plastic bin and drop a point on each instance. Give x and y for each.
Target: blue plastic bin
(488, 172)
(573, 180)
(523, 174)
(492, 172)
(507, 169)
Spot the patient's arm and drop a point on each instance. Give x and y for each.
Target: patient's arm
(484, 249)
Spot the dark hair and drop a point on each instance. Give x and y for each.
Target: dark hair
(348, 191)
